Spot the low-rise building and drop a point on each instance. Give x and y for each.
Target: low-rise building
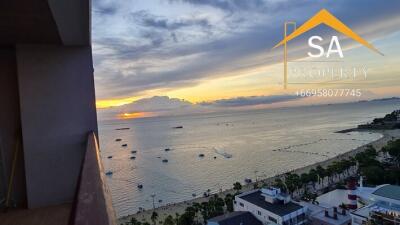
(235, 218)
(383, 206)
(271, 206)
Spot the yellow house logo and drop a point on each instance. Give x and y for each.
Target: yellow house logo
(322, 17)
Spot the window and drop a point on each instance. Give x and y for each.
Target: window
(301, 217)
(272, 219)
(241, 204)
(259, 213)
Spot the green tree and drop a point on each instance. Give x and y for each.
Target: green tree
(134, 221)
(279, 184)
(393, 149)
(154, 217)
(292, 182)
(237, 186)
(229, 202)
(187, 218)
(169, 220)
(375, 175)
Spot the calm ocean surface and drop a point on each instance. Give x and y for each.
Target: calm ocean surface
(261, 143)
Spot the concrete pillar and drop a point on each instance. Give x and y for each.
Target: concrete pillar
(10, 129)
(57, 101)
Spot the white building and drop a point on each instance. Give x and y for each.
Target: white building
(383, 205)
(270, 206)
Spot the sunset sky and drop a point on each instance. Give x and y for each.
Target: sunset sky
(207, 54)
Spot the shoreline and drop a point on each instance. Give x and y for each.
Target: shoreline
(173, 208)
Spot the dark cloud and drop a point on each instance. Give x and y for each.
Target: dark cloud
(162, 60)
(252, 6)
(104, 7)
(144, 18)
(252, 100)
(229, 5)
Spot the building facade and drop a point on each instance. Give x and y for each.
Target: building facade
(271, 206)
(383, 206)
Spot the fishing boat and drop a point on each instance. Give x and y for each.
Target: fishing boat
(118, 139)
(167, 149)
(223, 153)
(201, 155)
(133, 152)
(133, 157)
(178, 127)
(109, 173)
(123, 128)
(165, 160)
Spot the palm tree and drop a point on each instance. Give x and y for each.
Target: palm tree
(169, 220)
(197, 208)
(177, 218)
(229, 202)
(134, 221)
(237, 186)
(154, 217)
(279, 184)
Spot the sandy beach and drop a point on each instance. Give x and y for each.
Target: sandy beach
(173, 208)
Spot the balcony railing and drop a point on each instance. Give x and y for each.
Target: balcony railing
(93, 203)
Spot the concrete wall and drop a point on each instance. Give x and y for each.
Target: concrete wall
(10, 127)
(57, 102)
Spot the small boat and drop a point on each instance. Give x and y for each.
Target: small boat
(247, 180)
(124, 145)
(167, 149)
(201, 155)
(109, 157)
(118, 139)
(133, 152)
(109, 173)
(165, 160)
(160, 200)
(193, 195)
(140, 186)
(133, 157)
(123, 128)
(178, 127)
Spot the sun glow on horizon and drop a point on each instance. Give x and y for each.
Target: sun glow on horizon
(134, 115)
(108, 103)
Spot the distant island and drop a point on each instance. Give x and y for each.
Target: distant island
(388, 122)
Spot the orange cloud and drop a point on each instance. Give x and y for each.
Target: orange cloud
(107, 103)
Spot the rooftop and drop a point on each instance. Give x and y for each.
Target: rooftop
(341, 219)
(279, 209)
(236, 218)
(388, 191)
(362, 212)
(333, 198)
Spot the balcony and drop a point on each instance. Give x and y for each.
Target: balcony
(92, 204)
